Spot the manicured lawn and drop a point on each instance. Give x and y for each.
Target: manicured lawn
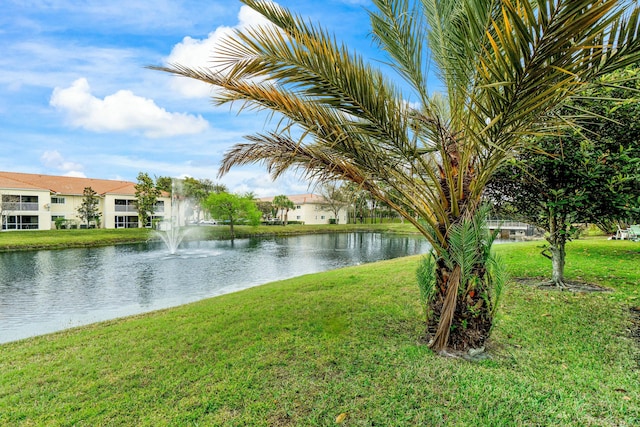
(60, 239)
(307, 350)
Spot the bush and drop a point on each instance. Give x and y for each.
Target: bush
(59, 223)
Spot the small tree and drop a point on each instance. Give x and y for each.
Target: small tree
(358, 199)
(88, 209)
(571, 180)
(232, 208)
(266, 208)
(146, 197)
(197, 190)
(284, 204)
(335, 196)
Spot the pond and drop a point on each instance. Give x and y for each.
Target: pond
(47, 291)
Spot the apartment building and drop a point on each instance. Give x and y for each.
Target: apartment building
(35, 202)
(312, 209)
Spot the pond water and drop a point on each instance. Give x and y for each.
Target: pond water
(47, 291)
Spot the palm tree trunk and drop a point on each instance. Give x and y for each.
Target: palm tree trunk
(461, 320)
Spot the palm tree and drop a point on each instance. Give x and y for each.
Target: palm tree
(284, 204)
(505, 67)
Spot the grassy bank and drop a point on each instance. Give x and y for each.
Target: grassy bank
(345, 344)
(55, 239)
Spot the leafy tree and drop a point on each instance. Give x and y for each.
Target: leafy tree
(284, 205)
(359, 201)
(197, 190)
(504, 68)
(335, 197)
(164, 183)
(266, 208)
(88, 209)
(570, 179)
(232, 208)
(146, 197)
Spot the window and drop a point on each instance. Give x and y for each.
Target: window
(55, 200)
(126, 222)
(20, 222)
(298, 207)
(159, 206)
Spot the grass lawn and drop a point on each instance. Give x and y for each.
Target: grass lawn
(345, 346)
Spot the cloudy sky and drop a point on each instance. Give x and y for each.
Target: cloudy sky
(75, 98)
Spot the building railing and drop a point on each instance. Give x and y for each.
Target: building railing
(496, 223)
(19, 206)
(125, 208)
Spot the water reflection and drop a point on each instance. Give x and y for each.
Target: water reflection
(45, 291)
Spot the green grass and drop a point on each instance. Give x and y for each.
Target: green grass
(303, 351)
(56, 239)
(60, 239)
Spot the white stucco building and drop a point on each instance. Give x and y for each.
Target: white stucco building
(312, 209)
(34, 202)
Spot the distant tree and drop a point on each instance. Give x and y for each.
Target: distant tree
(197, 190)
(266, 208)
(335, 196)
(164, 183)
(284, 205)
(232, 208)
(571, 180)
(358, 199)
(146, 197)
(88, 209)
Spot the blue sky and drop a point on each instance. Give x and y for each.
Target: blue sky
(75, 98)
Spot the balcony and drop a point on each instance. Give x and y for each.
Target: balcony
(19, 206)
(125, 208)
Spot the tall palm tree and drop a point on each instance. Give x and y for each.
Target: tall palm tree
(505, 67)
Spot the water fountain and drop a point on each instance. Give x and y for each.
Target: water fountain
(171, 234)
(169, 229)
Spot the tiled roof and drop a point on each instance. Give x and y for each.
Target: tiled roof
(299, 199)
(64, 184)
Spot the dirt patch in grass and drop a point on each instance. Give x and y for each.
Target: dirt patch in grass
(569, 285)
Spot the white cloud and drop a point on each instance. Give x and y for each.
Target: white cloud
(55, 160)
(75, 174)
(199, 53)
(121, 112)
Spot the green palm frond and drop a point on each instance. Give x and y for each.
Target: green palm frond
(426, 277)
(498, 277)
(463, 249)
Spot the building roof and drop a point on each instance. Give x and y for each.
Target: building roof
(300, 199)
(64, 184)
